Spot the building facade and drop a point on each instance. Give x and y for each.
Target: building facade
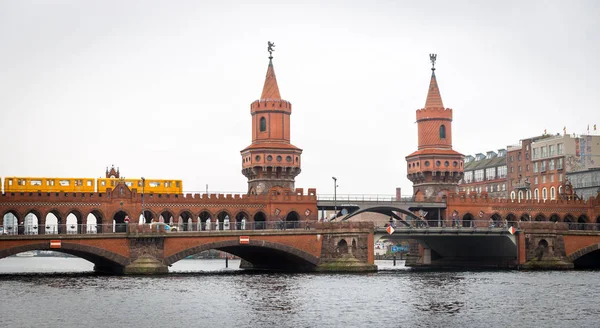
(538, 166)
(585, 183)
(486, 173)
(435, 168)
(271, 161)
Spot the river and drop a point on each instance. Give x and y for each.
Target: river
(64, 292)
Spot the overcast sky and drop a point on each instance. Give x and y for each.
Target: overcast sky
(163, 89)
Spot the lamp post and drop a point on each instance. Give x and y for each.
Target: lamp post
(334, 197)
(143, 185)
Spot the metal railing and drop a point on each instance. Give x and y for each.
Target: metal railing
(83, 229)
(456, 224)
(369, 198)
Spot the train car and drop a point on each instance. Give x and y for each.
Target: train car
(30, 184)
(149, 186)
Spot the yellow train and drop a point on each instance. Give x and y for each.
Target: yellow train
(29, 184)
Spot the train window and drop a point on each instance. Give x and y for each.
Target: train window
(64, 182)
(10, 182)
(128, 183)
(89, 183)
(139, 183)
(112, 183)
(103, 183)
(36, 182)
(167, 184)
(154, 184)
(177, 184)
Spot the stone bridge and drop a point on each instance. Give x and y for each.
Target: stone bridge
(323, 247)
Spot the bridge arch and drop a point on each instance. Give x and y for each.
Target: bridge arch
(385, 210)
(185, 216)
(203, 217)
(586, 257)
(149, 215)
(260, 253)
(103, 259)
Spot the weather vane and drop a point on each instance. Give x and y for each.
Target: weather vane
(432, 57)
(270, 46)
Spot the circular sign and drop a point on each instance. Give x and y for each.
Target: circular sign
(344, 211)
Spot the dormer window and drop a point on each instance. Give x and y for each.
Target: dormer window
(263, 124)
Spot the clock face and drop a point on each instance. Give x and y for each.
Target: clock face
(260, 187)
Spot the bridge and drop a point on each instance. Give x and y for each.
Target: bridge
(149, 249)
(349, 206)
(531, 245)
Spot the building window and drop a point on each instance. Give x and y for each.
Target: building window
(535, 180)
(511, 158)
(263, 124)
(536, 153)
(528, 195)
(442, 131)
(518, 156)
(511, 169)
(479, 175)
(536, 194)
(559, 166)
(535, 167)
(543, 166)
(560, 149)
(504, 187)
(551, 150)
(560, 177)
(527, 156)
(519, 168)
(490, 173)
(544, 152)
(551, 165)
(544, 194)
(543, 179)
(552, 178)
(468, 176)
(520, 195)
(527, 167)
(502, 171)
(512, 195)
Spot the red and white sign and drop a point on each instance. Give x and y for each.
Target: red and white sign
(512, 230)
(127, 219)
(390, 230)
(55, 244)
(244, 240)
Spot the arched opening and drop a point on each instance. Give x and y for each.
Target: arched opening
(540, 217)
(205, 220)
(263, 124)
(73, 223)
(544, 193)
(554, 218)
(147, 217)
(31, 223)
(166, 217)
(95, 222)
(541, 249)
(467, 220)
(11, 223)
(342, 247)
(520, 196)
(53, 223)
(223, 220)
(442, 131)
(590, 260)
(186, 221)
(528, 195)
(582, 222)
(241, 220)
(524, 217)
(260, 221)
(570, 220)
(292, 220)
(119, 221)
(511, 219)
(513, 195)
(552, 193)
(496, 218)
(354, 246)
(536, 194)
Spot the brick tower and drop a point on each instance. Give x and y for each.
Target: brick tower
(434, 169)
(271, 160)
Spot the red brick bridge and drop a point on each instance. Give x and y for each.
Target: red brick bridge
(321, 247)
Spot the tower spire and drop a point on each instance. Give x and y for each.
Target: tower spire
(270, 89)
(434, 99)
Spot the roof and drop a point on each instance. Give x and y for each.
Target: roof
(271, 145)
(485, 163)
(435, 151)
(434, 99)
(270, 89)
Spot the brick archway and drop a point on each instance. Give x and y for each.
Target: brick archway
(95, 255)
(234, 247)
(583, 251)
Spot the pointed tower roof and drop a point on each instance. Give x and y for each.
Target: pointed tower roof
(270, 89)
(434, 99)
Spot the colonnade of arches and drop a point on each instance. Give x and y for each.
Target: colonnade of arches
(581, 222)
(75, 222)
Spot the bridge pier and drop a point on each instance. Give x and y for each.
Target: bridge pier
(426, 256)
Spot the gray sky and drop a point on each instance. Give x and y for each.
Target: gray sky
(162, 89)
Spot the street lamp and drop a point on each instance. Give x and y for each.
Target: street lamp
(334, 197)
(143, 184)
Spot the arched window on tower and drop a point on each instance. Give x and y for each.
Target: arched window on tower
(263, 124)
(442, 131)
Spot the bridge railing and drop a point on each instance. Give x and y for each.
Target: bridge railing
(369, 198)
(83, 229)
(482, 224)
